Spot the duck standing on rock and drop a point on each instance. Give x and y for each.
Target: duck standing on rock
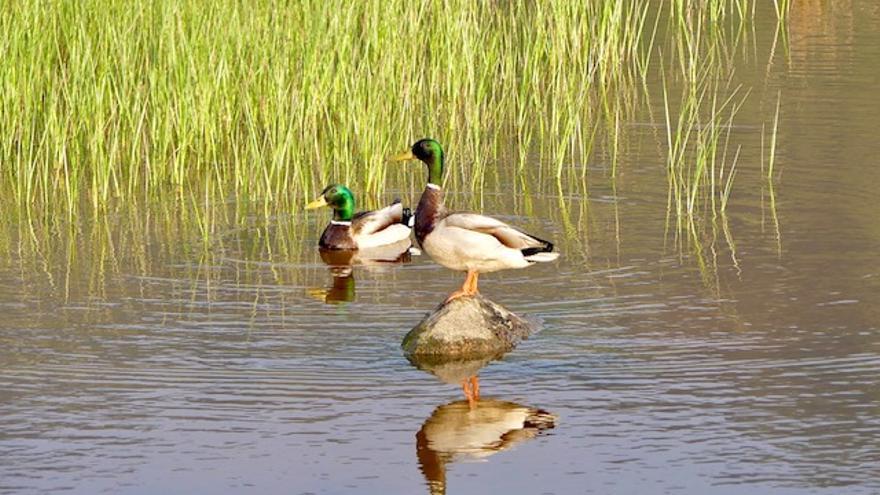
(467, 242)
(362, 230)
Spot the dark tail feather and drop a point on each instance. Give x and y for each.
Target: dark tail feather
(546, 247)
(407, 217)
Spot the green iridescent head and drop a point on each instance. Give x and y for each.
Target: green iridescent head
(430, 153)
(338, 197)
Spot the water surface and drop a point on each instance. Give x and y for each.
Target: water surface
(750, 364)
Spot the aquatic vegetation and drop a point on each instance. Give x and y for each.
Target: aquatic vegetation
(771, 178)
(782, 7)
(697, 150)
(125, 100)
(771, 156)
(230, 114)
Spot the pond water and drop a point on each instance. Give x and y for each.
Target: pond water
(751, 364)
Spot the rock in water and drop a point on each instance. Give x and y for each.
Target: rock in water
(466, 327)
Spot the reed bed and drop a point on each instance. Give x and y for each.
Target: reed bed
(122, 122)
(266, 101)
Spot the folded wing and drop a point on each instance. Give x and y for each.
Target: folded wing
(370, 222)
(507, 235)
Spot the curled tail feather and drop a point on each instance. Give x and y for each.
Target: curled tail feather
(408, 218)
(541, 253)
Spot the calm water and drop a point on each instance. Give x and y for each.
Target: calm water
(749, 366)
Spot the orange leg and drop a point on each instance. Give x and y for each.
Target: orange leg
(468, 288)
(473, 287)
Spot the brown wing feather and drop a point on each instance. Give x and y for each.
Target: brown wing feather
(369, 222)
(507, 235)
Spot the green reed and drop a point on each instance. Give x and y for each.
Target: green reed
(139, 136)
(771, 157)
(782, 8)
(771, 178)
(700, 164)
(267, 101)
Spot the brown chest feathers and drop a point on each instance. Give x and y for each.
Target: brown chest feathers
(337, 237)
(428, 213)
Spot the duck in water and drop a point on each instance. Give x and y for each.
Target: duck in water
(362, 230)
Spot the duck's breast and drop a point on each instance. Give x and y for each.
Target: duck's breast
(337, 236)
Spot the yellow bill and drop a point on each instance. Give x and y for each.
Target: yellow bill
(402, 157)
(317, 203)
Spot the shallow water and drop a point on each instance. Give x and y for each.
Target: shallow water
(749, 365)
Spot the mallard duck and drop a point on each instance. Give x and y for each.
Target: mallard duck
(362, 230)
(467, 242)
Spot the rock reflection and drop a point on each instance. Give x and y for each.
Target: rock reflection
(455, 371)
(340, 264)
(460, 431)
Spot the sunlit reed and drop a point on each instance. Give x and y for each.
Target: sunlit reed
(266, 102)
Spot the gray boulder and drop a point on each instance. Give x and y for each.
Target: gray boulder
(468, 327)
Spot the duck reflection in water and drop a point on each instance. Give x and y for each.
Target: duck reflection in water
(463, 430)
(341, 262)
(469, 429)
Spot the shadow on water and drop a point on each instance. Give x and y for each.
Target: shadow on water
(340, 264)
(465, 430)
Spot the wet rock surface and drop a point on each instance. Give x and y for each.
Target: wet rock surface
(465, 328)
